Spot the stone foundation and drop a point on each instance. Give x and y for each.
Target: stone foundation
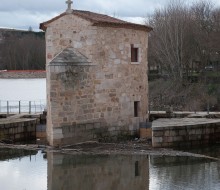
(91, 131)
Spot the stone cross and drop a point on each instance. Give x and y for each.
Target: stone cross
(69, 2)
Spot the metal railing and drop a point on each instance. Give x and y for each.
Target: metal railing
(22, 106)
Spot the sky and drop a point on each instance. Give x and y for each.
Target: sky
(22, 14)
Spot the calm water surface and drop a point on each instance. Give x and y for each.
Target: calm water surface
(22, 170)
(32, 170)
(22, 89)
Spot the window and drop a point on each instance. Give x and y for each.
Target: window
(134, 53)
(136, 109)
(137, 172)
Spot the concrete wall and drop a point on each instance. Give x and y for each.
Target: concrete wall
(97, 172)
(103, 93)
(186, 136)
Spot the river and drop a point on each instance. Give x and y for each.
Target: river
(22, 89)
(34, 170)
(15, 92)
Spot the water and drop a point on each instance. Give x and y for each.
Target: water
(30, 170)
(185, 174)
(22, 89)
(19, 92)
(22, 170)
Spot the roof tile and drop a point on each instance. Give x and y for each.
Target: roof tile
(99, 20)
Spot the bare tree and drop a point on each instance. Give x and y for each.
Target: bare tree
(23, 51)
(185, 39)
(171, 41)
(183, 34)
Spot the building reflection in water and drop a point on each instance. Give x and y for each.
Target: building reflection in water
(167, 172)
(100, 172)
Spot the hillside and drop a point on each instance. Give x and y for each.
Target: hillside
(21, 50)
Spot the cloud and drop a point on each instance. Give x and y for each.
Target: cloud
(23, 19)
(122, 7)
(32, 5)
(24, 13)
(125, 8)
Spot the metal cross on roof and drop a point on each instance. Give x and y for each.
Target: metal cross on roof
(69, 2)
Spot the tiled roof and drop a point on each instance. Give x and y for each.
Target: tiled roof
(99, 20)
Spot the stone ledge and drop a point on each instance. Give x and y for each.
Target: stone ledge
(188, 135)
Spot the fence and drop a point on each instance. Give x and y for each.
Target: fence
(22, 106)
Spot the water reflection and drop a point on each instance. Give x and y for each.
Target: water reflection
(22, 170)
(68, 172)
(30, 170)
(183, 173)
(7, 154)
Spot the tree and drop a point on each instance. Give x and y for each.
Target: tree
(185, 39)
(207, 20)
(23, 51)
(183, 34)
(171, 39)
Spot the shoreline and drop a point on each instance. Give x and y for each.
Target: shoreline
(96, 148)
(22, 74)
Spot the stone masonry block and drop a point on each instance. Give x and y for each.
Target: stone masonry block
(158, 133)
(191, 131)
(205, 136)
(207, 130)
(182, 132)
(168, 139)
(196, 143)
(194, 137)
(173, 133)
(199, 131)
(212, 130)
(178, 138)
(185, 144)
(166, 144)
(89, 126)
(158, 139)
(111, 129)
(97, 125)
(156, 145)
(57, 133)
(217, 129)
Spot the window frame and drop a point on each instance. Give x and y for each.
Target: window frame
(136, 108)
(135, 54)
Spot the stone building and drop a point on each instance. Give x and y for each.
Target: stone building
(96, 77)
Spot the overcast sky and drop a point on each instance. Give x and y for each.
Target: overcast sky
(21, 14)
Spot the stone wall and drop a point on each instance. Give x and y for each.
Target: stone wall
(97, 172)
(104, 92)
(18, 130)
(186, 136)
